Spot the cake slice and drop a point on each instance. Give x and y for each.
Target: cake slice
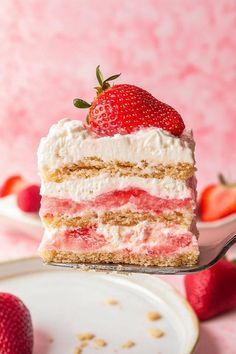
(116, 190)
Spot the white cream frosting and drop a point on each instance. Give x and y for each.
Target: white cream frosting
(69, 141)
(138, 234)
(89, 188)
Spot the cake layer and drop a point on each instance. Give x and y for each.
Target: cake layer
(132, 199)
(123, 217)
(187, 258)
(120, 199)
(93, 166)
(87, 189)
(69, 141)
(150, 242)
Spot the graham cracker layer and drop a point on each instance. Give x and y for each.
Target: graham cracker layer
(122, 218)
(93, 166)
(184, 259)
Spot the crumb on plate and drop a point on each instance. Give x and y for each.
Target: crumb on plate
(78, 350)
(153, 316)
(156, 332)
(128, 344)
(98, 343)
(85, 336)
(84, 343)
(112, 301)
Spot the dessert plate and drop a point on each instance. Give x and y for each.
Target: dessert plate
(66, 303)
(13, 220)
(215, 229)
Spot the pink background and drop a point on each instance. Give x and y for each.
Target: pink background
(182, 51)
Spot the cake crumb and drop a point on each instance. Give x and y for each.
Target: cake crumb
(128, 344)
(153, 316)
(84, 343)
(155, 332)
(112, 301)
(51, 340)
(85, 336)
(78, 350)
(98, 343)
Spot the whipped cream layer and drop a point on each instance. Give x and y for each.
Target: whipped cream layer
(68, 141)
(90, 188)
(142, 234)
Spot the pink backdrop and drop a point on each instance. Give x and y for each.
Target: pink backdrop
(182, 51)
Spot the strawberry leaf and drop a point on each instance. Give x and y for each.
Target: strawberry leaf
(105, 86)
(99, 75)
(223, 181)
(81, 103)
(113, 77)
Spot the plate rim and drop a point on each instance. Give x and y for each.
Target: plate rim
(9, 210)
(184, 301)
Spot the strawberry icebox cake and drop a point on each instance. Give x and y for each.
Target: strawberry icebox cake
(119, 187)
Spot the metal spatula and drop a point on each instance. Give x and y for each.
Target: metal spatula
(210, 252)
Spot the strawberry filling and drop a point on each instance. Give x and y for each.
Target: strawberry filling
(139, 199)
(89, 240)
(83, 239)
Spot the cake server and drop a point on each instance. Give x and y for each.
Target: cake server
(211, 251)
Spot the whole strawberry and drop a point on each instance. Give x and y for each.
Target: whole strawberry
(12, 185)
(28, 199)
(212, 291)
(16, 331)
(123, 109)
(218, 200)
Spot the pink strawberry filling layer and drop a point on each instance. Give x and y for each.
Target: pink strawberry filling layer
(135, 199)
(151, 243)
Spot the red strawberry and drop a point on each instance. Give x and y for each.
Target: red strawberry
(212, 291)
(217, 201)
(125, 108)
(16, 331)
(12, 185)
(28, 199)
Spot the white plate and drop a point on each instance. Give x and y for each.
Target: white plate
(64, 303)
(214, 231)
(13, 220)
(224, 225)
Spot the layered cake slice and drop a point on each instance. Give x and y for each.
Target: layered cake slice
(121, 187)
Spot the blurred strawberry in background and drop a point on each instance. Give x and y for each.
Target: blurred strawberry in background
(28, 199)
(212, 291)
(12, 185)
(217, 200)
(16, 330)
(27, 195)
